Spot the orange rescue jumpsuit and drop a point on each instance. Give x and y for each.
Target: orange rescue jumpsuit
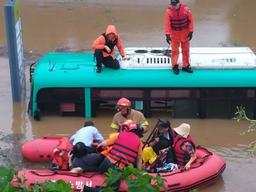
(178, 23)
(102, 56)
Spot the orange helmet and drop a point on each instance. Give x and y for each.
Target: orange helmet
(124, 102)
(128, 125)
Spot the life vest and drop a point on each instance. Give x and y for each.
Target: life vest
(181, 156)
(125, 149)
(179, 18)
(60, 154)
(110, 44)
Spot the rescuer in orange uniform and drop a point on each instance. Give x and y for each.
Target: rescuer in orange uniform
(179, 26)
(103, 48)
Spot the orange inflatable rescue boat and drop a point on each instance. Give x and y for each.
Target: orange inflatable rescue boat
(207, 169)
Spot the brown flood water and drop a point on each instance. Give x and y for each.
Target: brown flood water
(73, 24)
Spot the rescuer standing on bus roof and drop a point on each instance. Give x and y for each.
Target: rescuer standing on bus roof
(179, 27)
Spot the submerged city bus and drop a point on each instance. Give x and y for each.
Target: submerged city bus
(223, 78)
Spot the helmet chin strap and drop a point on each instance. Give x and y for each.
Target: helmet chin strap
(125, 112)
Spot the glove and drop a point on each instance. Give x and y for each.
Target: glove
(190, 35)
(140, 130)
(168, 39)
(124, 58)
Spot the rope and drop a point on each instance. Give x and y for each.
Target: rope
(59, 172)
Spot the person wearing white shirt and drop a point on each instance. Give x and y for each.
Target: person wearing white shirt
(87, 135)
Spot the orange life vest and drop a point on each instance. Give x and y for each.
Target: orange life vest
(60, 154)
(179, 19)
(110, 44)
(181, 156)
(125, 149)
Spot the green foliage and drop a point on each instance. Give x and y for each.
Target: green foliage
(49, 186)
(135, 179)
(241, 115)
(252, 147)
(7, 174)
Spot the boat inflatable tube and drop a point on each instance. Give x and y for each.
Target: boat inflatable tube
(207, 168)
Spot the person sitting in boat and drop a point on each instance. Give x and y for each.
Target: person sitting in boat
(104, 49)
(125, 112)
(184, 146)
(89, 135)
(126, 146)
(160, 144)
(81, 160)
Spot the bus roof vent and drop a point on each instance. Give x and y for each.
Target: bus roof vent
(141, 51)
(156, 51)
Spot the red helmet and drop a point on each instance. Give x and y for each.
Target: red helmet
(124, 102)
(128, 125)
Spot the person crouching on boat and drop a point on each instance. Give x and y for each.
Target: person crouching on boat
(88, 135)
(103, 48)
(184, 146)
(80, 160)
(126, 146)
(162, 140)
(179, 26)
(125, 112)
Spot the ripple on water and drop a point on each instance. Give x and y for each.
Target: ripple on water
(236, 153)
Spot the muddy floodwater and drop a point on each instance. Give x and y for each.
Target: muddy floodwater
(72, 25)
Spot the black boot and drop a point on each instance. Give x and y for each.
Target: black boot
(99, 58)
(99, 69)
(175, 69)
(187, 69)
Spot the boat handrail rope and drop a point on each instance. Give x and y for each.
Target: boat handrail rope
(200, 160)
(35, 172)
(62, 172)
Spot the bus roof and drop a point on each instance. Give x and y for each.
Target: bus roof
(78, 70)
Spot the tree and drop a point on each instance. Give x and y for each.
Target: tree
(241, 115)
